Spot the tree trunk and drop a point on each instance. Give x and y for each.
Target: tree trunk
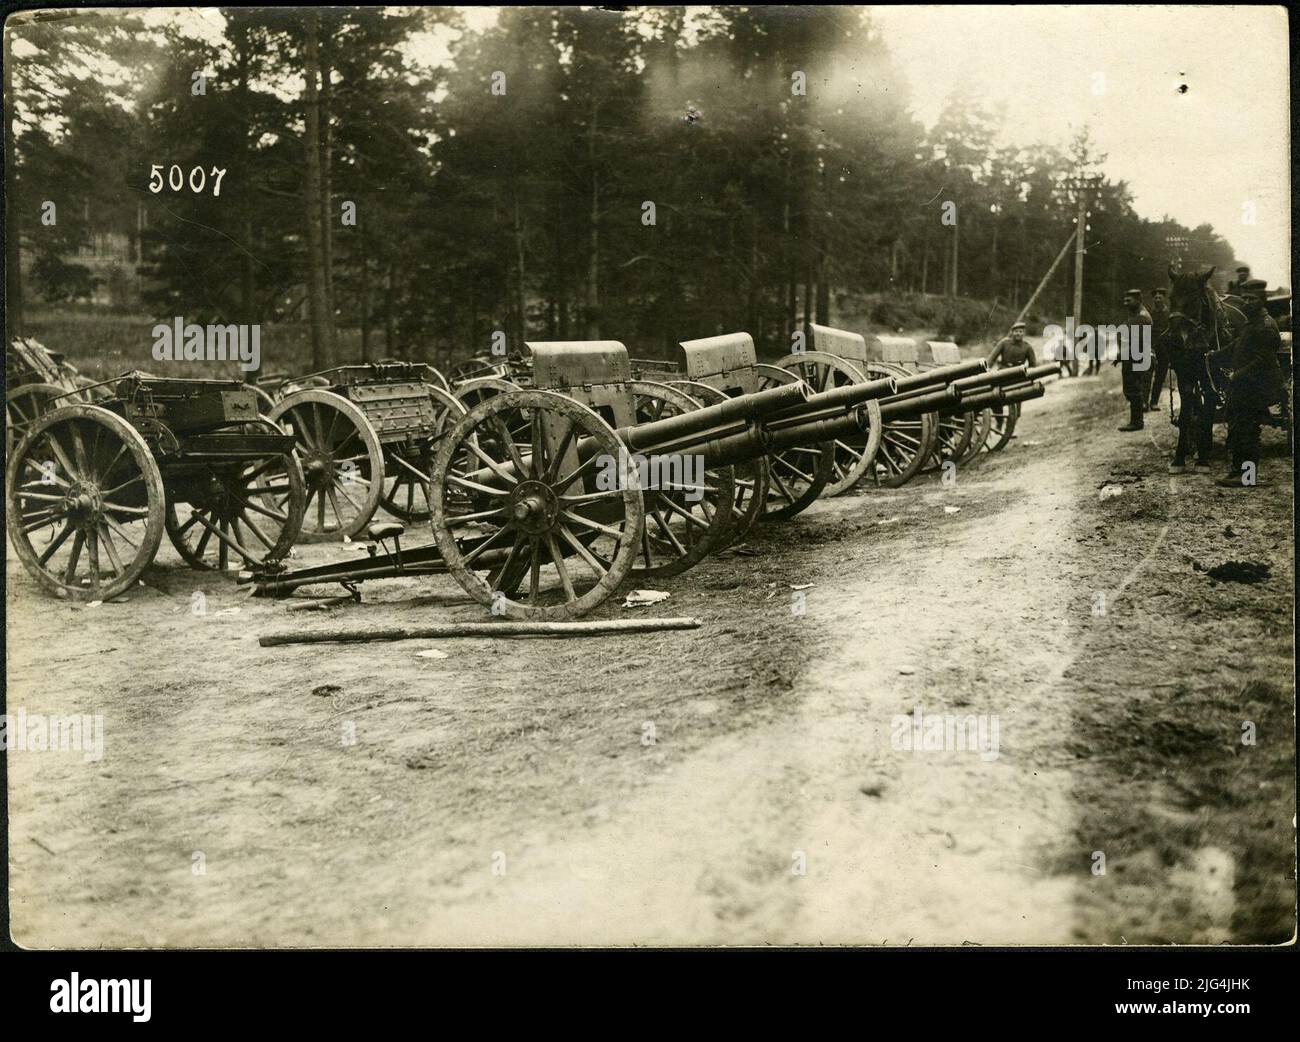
(316, 286)
(823, 294)
(365, 306)
(13, 247)
(247, 302)
(592, 317)
(390, 326)
(327, 192)
(956, 234)
(521, 288)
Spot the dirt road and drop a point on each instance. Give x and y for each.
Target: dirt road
(1132, 779)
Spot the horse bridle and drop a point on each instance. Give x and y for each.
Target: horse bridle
(1215, 305)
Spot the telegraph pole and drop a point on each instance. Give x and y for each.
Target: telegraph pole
(1082, 186)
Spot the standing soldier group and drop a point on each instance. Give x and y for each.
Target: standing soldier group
(1254, 383)
(1249, 365)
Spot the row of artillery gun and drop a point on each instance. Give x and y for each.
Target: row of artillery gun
(548, 480)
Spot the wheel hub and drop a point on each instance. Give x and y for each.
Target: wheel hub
(318, 469)
(533, 507)
(83, 504)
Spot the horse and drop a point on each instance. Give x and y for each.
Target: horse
(1201, 323)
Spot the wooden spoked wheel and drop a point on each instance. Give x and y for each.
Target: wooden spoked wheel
(26, 404)
(435, 378)
(341, 460)
(471, 392)
(555, 529)
(1002, 426)
(406, 484)
(905, 445)
(853, 454)
(238, 515)
(797, 475)
(687, 512)
(85, 503)
(750, 477)
(983, 427)
(265, 402)
(953, 433)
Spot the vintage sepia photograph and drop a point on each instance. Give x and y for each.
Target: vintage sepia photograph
(670, 477)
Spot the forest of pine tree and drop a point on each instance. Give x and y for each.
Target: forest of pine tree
(649, 175)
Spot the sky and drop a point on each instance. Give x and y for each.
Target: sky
(1198, 156)
(1217, 152)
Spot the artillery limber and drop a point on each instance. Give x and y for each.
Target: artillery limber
(365, 435)
(91, 487)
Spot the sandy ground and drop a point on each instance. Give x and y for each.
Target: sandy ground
(739, 784)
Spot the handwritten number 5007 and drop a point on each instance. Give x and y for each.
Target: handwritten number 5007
(176, 179)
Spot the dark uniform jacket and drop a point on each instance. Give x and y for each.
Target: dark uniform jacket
(1013, 353)
(1137, 383)
(1256, 376)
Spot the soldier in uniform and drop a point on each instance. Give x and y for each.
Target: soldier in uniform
(1254, 383)
(1159, 325)
(1137, 382)
(1014, 349)
(1236, 285)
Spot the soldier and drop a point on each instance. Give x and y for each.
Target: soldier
(1254, 383)
(1159, 324)
(1137, 382)
(1015, 349)
(1243, 276)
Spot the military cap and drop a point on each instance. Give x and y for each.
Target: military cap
(1254, 286)
(1017, 325)
(1133, 293)
(1159, 291)
(1245, 268)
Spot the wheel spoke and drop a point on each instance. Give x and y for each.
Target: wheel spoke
(474, 486)
(583, 552)
(92, 547)
(565, 581)
(56, 542)
(485, 545)
(122, 534)
(588, 523)
(493, 465)
(495, 578)
(70, 573)
(111, 550)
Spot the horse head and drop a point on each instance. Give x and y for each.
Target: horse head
(1190, 296)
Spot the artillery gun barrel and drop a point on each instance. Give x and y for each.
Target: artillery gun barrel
(720, 446)
(746, 407)
(943, 374)
(993, 378)
(1038, 372)
(1022, 393)
(825, 427)
(909, 406)
(838, 400)
(976, 400)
